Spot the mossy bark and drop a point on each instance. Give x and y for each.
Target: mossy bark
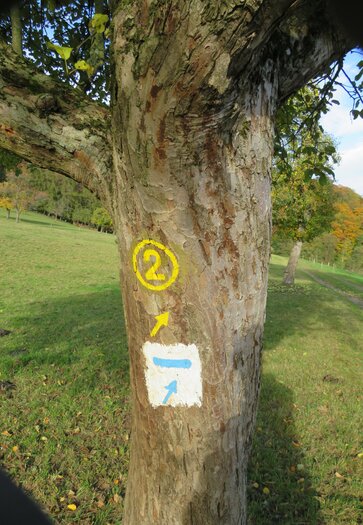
(16, 29)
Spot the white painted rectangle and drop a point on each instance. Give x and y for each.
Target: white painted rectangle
(173, 374)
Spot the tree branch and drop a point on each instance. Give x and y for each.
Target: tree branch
(310, 41)
(53, 125)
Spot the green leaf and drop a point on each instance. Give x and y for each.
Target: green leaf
(323, 179)
(356, 113)
(308, 173)
(82, 65)
(50, 5)
(98, 22)
(63, 52)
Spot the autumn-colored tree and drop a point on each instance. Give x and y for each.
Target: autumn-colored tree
(347, 227)
(16, 189)
(7, 204)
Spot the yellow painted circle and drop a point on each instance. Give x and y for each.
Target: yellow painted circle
(170, 255)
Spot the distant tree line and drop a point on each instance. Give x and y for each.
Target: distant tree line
(342, 243)
(25, 187)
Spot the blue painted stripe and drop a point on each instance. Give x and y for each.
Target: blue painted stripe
(172, 363)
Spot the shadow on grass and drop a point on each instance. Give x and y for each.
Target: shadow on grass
(277, 464)
(294, 310)
(86, 328)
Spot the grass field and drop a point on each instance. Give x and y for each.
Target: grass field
(64, 429)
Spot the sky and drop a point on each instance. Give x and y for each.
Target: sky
(348, 132)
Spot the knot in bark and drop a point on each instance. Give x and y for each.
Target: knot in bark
(46, 104)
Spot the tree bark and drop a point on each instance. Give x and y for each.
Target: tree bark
(16, 29)
(289, 274)
(17, 215)
(207, 199)
(195, 90)
(53, 125)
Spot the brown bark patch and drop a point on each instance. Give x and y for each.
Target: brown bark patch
(7, 130)
(155, 90)
(159, 152)
(84, 159)
(206, 251)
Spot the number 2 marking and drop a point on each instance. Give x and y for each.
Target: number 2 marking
(159, 255)
(151, 274)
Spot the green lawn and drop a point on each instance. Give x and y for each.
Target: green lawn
(64, 429)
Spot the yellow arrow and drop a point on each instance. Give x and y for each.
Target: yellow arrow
(162, 320)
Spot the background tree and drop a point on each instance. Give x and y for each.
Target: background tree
(16, 188)
(347, 228)
(302, 210)
(342, 244)
(302, 193)
(183, 158)
(101, 218)
(7, 204)
(63, 198)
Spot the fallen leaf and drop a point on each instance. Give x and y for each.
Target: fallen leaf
(337, 475)
(100, 504)
(360, 455)
(301, 480)
(6, 433)
(62, 499)
(116, 481)
(72, 506)
(330, 379)
(292, 468)
(46, 420)
(116, 498)
(296, 444)
(43, 438)
(255, 485)
(15, 448)
(266, 491)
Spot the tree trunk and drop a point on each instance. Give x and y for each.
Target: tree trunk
(213, 214)
(289, 274)
(193, 177)
(7, 213)
(17, 215)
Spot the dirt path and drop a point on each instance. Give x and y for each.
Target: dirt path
(347, 282)
(352, 298)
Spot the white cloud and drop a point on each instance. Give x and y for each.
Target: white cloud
(348, 132)
(350, 171)
(339, 122)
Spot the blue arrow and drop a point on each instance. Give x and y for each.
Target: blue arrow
(172, 363)
(171, 390)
